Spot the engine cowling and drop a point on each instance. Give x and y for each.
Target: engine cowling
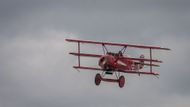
(106, 62)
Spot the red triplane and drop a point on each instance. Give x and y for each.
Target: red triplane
(113, 63)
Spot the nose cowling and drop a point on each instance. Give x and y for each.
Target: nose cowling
(106, 62)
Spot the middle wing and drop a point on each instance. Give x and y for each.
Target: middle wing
(85, 55)
(129, 58)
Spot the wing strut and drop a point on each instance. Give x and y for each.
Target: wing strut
(123, 50)
(79, 54)
(105, 50)
(150, 60)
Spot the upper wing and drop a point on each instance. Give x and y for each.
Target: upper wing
(118, 44)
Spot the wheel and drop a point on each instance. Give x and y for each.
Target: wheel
(98, 79)
(121, 81)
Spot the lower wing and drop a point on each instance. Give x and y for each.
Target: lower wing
(124, 71)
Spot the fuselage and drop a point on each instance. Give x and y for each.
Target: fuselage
(113, 62)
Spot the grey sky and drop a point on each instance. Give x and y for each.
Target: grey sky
(36, 70)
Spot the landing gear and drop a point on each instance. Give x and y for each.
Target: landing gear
(121, 81)
(98, 79)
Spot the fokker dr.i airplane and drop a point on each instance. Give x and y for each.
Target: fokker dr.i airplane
(113, 63)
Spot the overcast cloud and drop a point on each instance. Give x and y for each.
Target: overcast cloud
(36, 70)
